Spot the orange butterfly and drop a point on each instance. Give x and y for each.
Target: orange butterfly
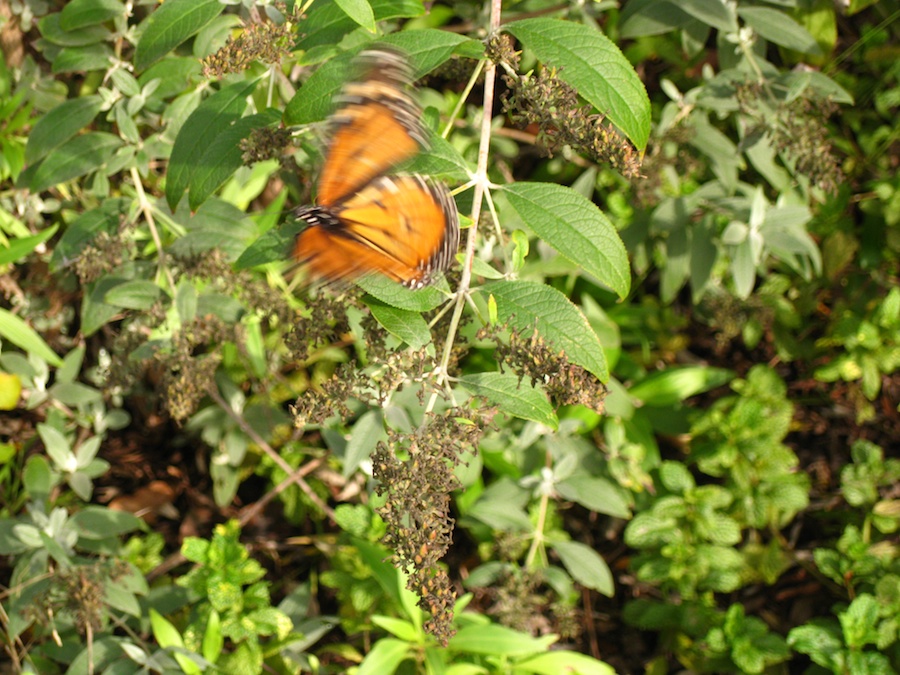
(402, 226)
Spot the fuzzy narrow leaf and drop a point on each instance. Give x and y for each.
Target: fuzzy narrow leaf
(211, 118)
(19, 333)
(512, 397)
(527, 305)
(170, 24)
(401, 323)
(575, 227)
(22, 246)
(590, 62)
(76, 157)
(368, 430)
(60, 124)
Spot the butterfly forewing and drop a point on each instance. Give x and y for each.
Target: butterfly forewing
(405, 227)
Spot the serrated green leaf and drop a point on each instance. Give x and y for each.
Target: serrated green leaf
(19, 333)
(211, 118)
(76, 157)
(513, 397)
(527, 306)
(590, 62)
(575, 227)
(170, 24)
(403, 324)
(585, 565)
(60, 124)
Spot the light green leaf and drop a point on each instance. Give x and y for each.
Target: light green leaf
(18, 332)
(22, 246)
(60, 124)
(513, 397)
(575, 227)
(496, 640)
(676, 384)
(527, 305)
(713, 13)
(360, 11)
(327, 23)
(53, 32)
(596, 494)
(368, 430)
(170, 24)
(385, 657)
(393, 294)
(403, 324)
(564, 661)
(590, 62)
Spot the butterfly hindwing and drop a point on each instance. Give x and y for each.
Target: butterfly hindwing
(404, 227)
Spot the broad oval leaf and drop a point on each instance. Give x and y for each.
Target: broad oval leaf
(173, 22)
(586, 566)
(779, 28)
(575, 227)
(513, 396)
(527, 305)
(137, 294)
(80, 13)
(327, 23)
(498, 640)
(403, 324)
(393, 294)
(61, 124)
(590, 62)
(212, 117)
(360, 11)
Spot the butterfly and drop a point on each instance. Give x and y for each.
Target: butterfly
(366, 220)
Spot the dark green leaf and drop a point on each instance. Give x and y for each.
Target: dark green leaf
(403, 324)
(327, 23)
(779, 28)
(173, 22)
(89, 57)
(61, 124)
(53, 32)
(576, 228)
(590, 62)
(76, 157)
(137, 294)
(80, 13)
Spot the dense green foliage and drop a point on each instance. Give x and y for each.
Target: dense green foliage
(648, 416)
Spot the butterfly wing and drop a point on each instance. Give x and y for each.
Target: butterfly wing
(377, 126)
(405, 227)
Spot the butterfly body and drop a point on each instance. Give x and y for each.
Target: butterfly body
(366, 220)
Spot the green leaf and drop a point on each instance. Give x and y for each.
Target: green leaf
(426, 48)
(367, 432)
(80, 13)
(590, 62)
(314, 101)
(98, 523)
(223, 156)
(779, 28)
(19, 333)
(327, 23)
(22, 246)
(675, 384)
(385, 657)
(527, 305)
(596, 494)
(496, 640)
(171, 23)
(211, 118)
(89, 57)
(564, 661)
(53, 32)
(575, 227)
(713, 13)
(360, 11)
(512, 396)
(213, 640)
(275, 245)
(137, 294)
(61, 124)
(57, 447)
(393, 294)
(586, 566)
(403, 324)
(76, 157)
